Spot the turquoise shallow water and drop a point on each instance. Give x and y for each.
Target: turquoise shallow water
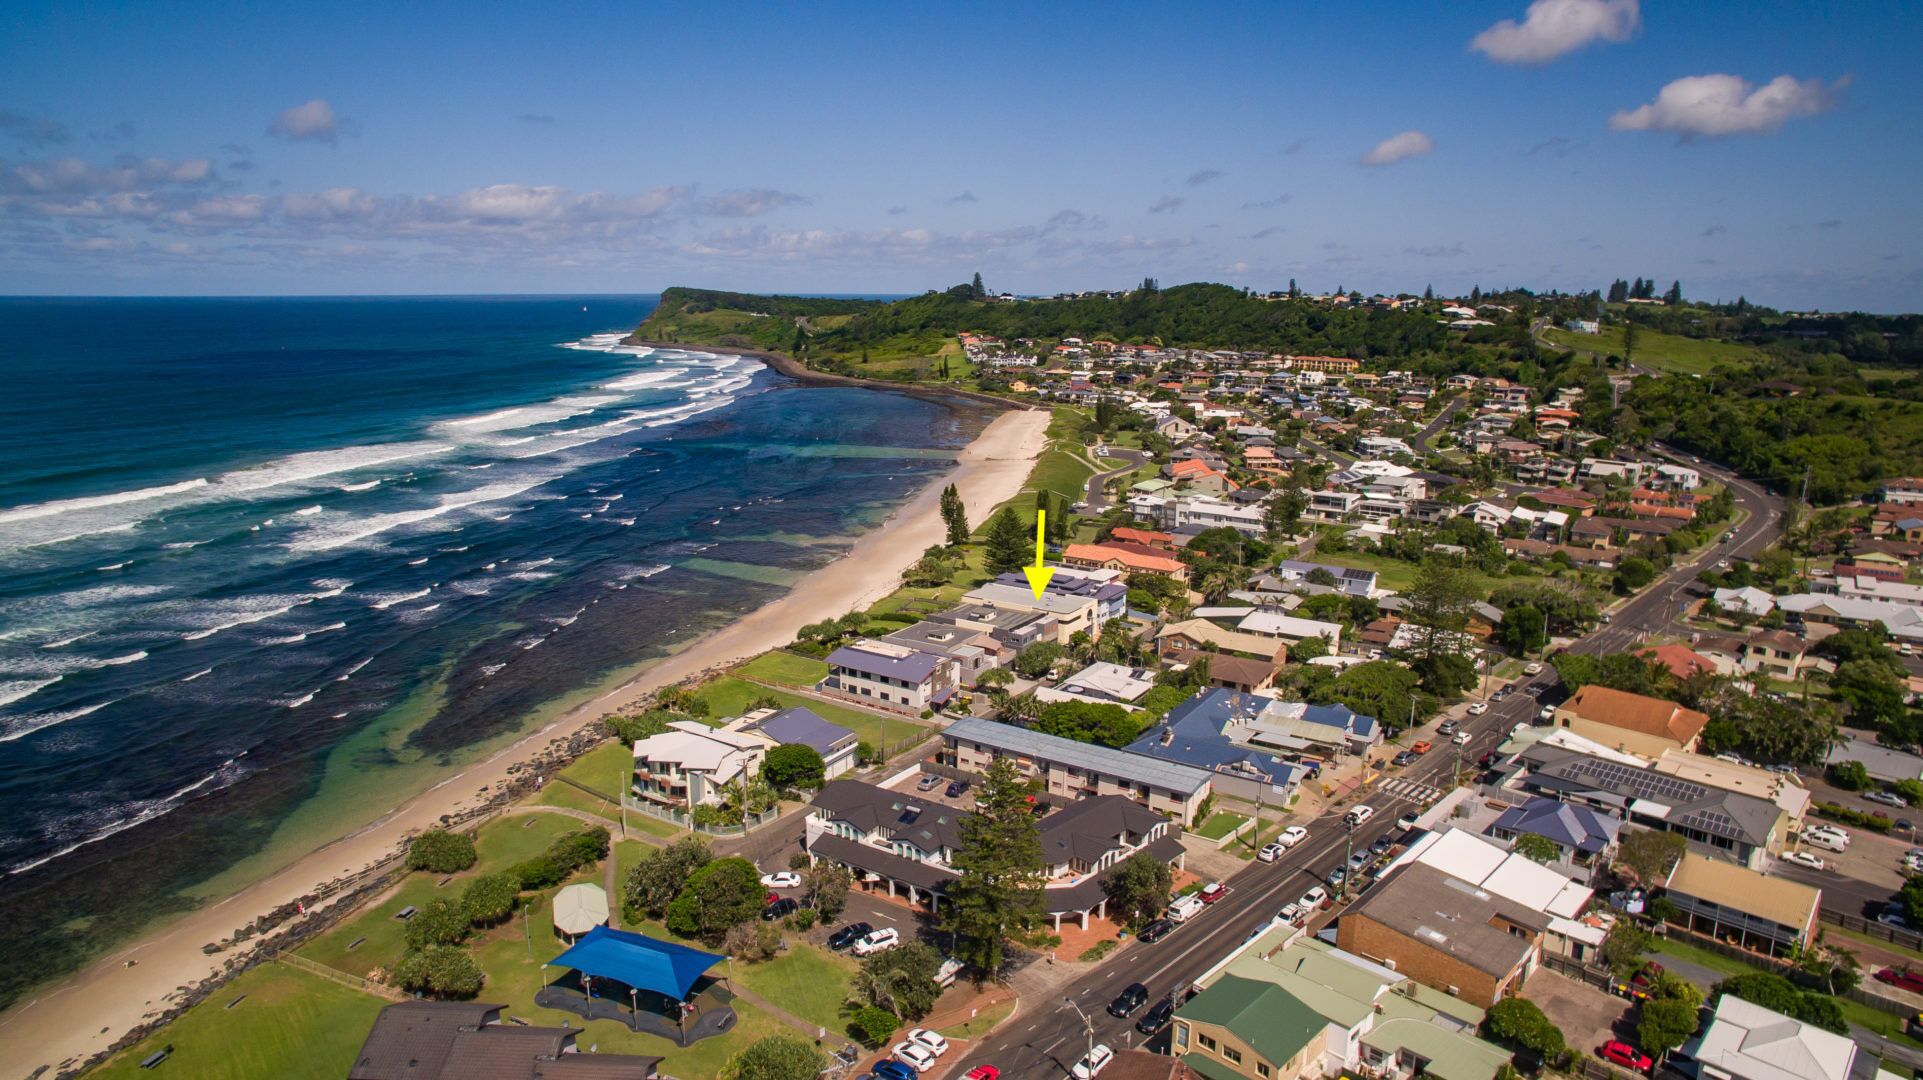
(237, 534)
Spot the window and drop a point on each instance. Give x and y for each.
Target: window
(1207, 1043)
(1231, 1053)
(1181, 1039)
(1261, 1068)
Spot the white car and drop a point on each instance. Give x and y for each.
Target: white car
(1313, 899)
(1461, 738)
(786, 879)
(1803, 858)
(878, 941)
(1841, 836)
(934, 1042)
(1290, 913)
(1093, 1062)
(915, 1055)
(1292, 836)
(1478, 709)
(1532, 668)
(1359, 813)
(1270, 852)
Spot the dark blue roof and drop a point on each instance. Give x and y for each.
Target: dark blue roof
(801, 725)
(912, 669)
(1195, 736)
(1101, 591)
(1357, 725)
(637, 961)
(1571, 826)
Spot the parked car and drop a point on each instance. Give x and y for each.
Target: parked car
(1461, 738)
(1381, 846)
(785, 879)
(1904, 979)
(1156, 930)
(1478, 708)
(915, 1054)
(783, 905)
(1893, 919)
(1156, 1018)
(878, 941)
(1185, 908)
(1132, 997)
(1336, 877)
(1621, 1053)
(1292, 836)
(1887, 798)
(1803, 858)
(848, 935)
(1092, 1063)
(956, 788)
(1488, 759)
(935, 1044)
(1408, 820)
(1313, 899)
(1448, 727)
(1270, 852)
(1422, 746)
(1358, 860)
(1290, 913)
(1213, 891)
(1532, 668)
(895, 1070)
(1824, 840)
(984, 1072)
(928, 783)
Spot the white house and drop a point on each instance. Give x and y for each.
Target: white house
(689, 764)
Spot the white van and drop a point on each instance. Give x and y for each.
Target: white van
(1841, 836)
(1359, 814)
(1185, 909)
(1826, 841)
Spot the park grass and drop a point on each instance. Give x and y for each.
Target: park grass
(1220, 824)
(784, 669)
(292, 1026)
(1400, 576)
(984, 1022)
(807, 980)
(730, 696)
(1664, 352)
(501, 843)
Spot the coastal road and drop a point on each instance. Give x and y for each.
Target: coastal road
(1048, 1036)
(1420, 440)
(1096, 495)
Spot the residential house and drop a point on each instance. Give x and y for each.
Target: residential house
(1586, 839)
(1076, 770)
(1013, 628)
(1871, 588)
(1480, 863)
(1466, 941)
(1072, 613)
(908, 844)
(1332, 505)
(1634, 722)
(1211, 513)
(801, 726)
(1242, 673)
(1680, 661)
(1346, 579)
(1764, 913)
(973, 651)
(1102, 683)
(1593, 468)
(1176, 429)
(1778, 653)
(1177, 641)
(1290, 628)
(1748, 600)
(1126, 558)
(1328, 365)
(1899, 620)
(1677, 477)
(1142, 537)
(1904, 490)
(1745, 1041)
(692, 764)
(885, 675)
(1602, 532)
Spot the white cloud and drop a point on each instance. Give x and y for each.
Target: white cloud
(1553, 28)
(312, 120)
(1712, 106)
(747, 202)
(1399, 147)
(72, 176)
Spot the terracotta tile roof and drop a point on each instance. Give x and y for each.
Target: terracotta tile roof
(1681, 660)
(1129, 556)
(1636, 712)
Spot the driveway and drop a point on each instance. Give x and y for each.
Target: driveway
(1587, 1016)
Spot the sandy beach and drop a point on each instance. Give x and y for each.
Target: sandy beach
(86, 1012)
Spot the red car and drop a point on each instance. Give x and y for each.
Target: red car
(984, 1072)
(1213, 891)
(770, 898)
(1626, 1055)
(1904, 979)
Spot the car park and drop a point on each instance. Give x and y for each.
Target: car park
(878, 941)
(1156, 1018)
(1270, 852)
(895, 1070)
(1313, 899)
(1132, 997)
(916, 1055)
(935, 1044)
(848, 935)
(1213, 891)
(1093, 1062)
(783, 905)
(1803, 858)
(785, 879)
(1156, 930)
(928, 783)
(1292, 836)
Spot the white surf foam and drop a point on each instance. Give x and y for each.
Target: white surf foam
(19, 727)
(19, 689)
(307, 511)
(352, 532)
(390, 599)
(93, 502)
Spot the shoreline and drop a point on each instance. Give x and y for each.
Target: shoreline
(86, 1012)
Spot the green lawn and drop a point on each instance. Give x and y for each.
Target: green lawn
(807, 980)
(1715, 961)
(607, 769)
(291, 1026)
(1888, 1025)
(1399, 575)
(729, 696)
(1664, 352)
(784, 669)
(502, 843)
(1220, 824)
(984, 1022)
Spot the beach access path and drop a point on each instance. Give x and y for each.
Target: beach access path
(85, 1013)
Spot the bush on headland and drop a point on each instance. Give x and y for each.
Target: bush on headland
(441, 852)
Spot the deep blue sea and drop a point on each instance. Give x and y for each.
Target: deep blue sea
(254, 551)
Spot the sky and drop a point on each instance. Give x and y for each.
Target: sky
(1766, 149)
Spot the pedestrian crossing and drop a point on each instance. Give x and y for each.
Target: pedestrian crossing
(1411, 790)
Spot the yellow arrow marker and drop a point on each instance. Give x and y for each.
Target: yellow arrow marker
(1039, 575)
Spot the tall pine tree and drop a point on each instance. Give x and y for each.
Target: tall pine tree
(998, 897)
(954, 516)
(1007, 546)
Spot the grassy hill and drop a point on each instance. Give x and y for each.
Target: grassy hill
(1663, 352)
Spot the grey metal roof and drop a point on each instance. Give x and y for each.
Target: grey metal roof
(801, 725)
(1118, 763)
(1728, 814)
(912, 669)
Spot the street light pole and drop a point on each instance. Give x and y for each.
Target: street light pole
(1087, 1024)
(1348, 853)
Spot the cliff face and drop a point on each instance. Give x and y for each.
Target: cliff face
(741, 320)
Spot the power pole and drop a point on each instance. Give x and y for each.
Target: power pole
(1348, 852)
(1087, 1024)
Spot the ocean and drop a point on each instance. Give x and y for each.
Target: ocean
(268, 566)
